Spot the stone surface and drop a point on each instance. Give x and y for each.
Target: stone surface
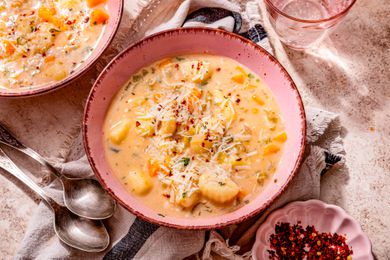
(348, 73)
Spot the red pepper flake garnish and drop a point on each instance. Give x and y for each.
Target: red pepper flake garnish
(199, 65)
(296, 242)
(218, 69)
(137, 124)
(69, 22)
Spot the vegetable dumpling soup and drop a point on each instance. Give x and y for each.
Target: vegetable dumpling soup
(45, 41)
(194, 135)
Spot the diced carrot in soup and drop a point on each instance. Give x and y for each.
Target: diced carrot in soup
(93, 3)
(46, 13)
(99, 16)
(49, 58)
(8, 48)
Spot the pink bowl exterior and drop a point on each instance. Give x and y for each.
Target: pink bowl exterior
(184, 41)
(115, 9)
(325, 217)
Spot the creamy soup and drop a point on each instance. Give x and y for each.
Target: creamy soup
(194, 136)
(44, 41)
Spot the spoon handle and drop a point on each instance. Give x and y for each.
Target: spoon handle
(8, 165)
(8, 139)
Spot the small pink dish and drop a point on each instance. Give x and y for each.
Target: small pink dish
(186, 41)
(324, 217)
(115, 9)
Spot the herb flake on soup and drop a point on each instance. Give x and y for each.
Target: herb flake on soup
(45, 41)
(194, 136)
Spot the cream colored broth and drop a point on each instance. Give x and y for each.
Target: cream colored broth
(45, 41)
(195, 135)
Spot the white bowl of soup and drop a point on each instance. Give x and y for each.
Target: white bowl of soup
(46, 44)
(194, 134)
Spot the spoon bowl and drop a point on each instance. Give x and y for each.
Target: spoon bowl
(86, 198)
(81, 233)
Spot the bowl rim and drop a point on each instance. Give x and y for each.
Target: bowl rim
(304, 203)
(270, 4)
(52, 86)
(210, 31)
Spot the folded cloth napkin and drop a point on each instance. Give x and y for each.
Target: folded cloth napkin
(134, 238)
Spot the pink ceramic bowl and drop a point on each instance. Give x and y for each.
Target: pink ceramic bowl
(184, 41)
(324, 217)
(115, 9)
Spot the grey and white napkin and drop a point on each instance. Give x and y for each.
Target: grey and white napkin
(133, 238)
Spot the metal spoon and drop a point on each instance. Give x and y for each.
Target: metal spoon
(78, 232)
(84, 197)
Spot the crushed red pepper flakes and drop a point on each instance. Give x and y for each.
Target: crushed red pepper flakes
(296, 242)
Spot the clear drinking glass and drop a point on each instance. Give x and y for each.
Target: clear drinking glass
(301, 23)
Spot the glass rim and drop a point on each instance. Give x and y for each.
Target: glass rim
(271, 5)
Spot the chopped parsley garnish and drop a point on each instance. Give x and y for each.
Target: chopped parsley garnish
(54, 30)
(185, 161)
(161, 215)
(144, 72)
(204, 83)
(221, 183)
(137, 78)
(21, 40)
(115, 150)
(251, 76)
(179, 58)
(229, 140)
(88, 49)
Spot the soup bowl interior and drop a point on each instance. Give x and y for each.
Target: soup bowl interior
(115, 9)
(187, 41)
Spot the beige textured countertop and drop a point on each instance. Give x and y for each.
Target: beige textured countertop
(349, 74)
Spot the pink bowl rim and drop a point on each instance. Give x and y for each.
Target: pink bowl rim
(91, 60)
(166, 33)
(306, 203)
